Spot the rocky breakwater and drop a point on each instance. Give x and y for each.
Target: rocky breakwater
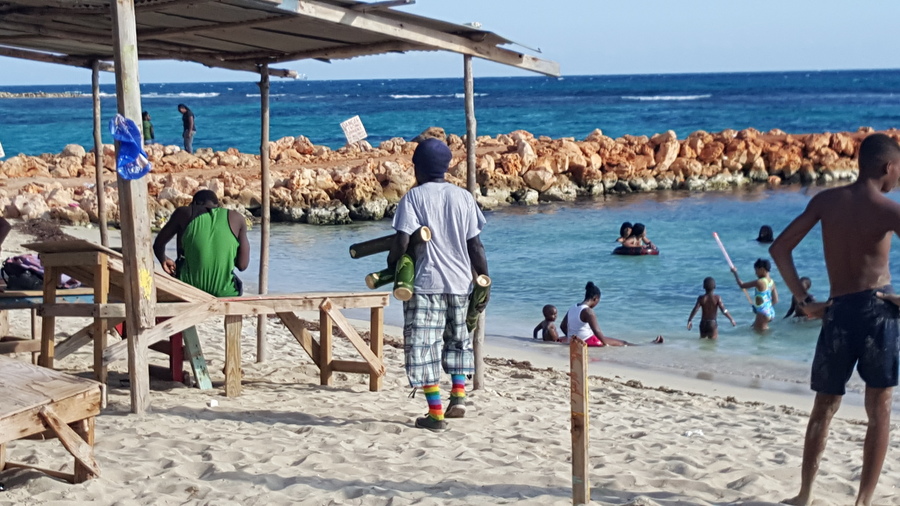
(317, 185)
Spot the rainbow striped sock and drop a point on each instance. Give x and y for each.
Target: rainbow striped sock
(459, 385)
(433, 396)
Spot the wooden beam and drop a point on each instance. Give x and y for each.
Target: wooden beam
(581, 485)
(73, 61)
(478, 352)
(332, 53)
(471, 124)
(140, 291)
(23, 345)
(303, 336)
(384, 4)
(215, 27)
(98, 156)
(74, 342)
(242, 66)
(101, 296)
(376, 366)
(325, 337)
(85, 430)
(375, 23)
(266, 212)
(233, 356)
(78, 447)
(376, 342)
(48, 324)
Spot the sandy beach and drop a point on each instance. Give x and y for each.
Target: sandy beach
(287, 440)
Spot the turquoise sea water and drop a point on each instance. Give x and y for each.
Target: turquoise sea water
(545, 255)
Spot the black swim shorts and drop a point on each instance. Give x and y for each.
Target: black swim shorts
(858, 329)
(707, 327)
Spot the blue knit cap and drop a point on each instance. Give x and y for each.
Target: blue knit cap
(432, 159)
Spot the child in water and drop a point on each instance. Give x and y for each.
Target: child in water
(711, 304)
(766, 294)
(796, 309)
(547, 327)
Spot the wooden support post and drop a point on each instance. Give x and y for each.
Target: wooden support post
(79, 446)
(48, 323)
(471, 124)
(36, 333)
(195, 357)
(98, 155)
(325, 338)
(581, 485)
(140, 292)
(85, 429)
(101, 296)
(265, 211)
(2, 456)
(376, 342)
(478, 351)
(232, 355)
(4, 323)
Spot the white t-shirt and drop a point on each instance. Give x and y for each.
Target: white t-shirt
(442, 264)
(574, 325)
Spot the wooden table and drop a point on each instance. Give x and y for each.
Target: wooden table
(35, 400)
(31, 300)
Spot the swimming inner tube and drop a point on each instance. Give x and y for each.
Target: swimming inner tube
(635, 251)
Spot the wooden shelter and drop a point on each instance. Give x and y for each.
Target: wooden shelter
(249, 35)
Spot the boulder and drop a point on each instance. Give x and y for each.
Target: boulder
(431, 133)
(539, 179)
(73, 150)
(711, 152)
(526, 154)
(563, 191)
(843, 144)
(667, 150)
(333, 213)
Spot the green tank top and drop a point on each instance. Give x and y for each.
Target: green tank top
(210, 248)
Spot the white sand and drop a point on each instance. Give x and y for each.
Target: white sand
(289, 441)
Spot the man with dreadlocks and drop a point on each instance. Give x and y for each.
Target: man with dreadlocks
(211, 242)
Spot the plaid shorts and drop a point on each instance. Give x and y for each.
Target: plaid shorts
(434, 332)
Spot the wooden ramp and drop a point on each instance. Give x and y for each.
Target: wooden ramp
(36, 400)
(185, 307)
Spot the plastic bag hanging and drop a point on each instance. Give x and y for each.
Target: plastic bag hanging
(132, 162)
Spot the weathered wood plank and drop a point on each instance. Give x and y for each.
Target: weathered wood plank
(325, 337)
(20, 345)
(376, 342)
(265, 197)
(581, 485)
(376, 366)
(303, 336)
(101, 296)
(195, 357)
(85, 430)
(233, 356)
(48, 325)
(78, 447)
(351, 366)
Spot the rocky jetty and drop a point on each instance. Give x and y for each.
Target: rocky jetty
(42, 94)
(317, 185)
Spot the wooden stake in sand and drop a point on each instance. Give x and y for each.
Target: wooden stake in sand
(581, 485)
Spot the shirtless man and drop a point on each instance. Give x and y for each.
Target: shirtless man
(861, 316)
(710, 303)
(211, 242)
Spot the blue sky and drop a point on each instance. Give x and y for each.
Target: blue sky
(599, 37)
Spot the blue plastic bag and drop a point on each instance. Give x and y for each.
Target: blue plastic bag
(132, 162)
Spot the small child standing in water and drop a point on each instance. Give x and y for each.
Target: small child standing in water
(766, 294)
(547, 327)
(796, 309)
(711, 304)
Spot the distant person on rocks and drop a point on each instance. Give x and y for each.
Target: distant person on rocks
(766, 235)
(766, 295)
(187, 120)
(148, 128)
(581, 322)
(861, 321)
(211, 242)
(624, 232)
(796, 310)
(434, 319)
(710, 303)
(547, 327)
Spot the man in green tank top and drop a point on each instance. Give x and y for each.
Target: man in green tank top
(211, 242)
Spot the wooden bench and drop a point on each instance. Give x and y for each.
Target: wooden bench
(36, 400)
(31, 300)
(185, 307)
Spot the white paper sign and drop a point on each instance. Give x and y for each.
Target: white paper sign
(354, 130)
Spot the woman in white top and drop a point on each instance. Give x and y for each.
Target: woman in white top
(581, 321)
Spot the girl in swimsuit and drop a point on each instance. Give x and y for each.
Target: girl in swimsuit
(766, 294)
